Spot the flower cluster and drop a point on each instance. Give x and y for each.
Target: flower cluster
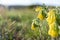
(41, 13)
(51, 19)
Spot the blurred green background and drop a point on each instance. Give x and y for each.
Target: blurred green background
(15, 24)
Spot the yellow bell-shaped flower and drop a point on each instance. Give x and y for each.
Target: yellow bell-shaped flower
(38, 9)
(51, 17)
(40, 16)
(32, 27)
(53, 33)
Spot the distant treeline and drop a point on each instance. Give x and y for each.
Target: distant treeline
(22, 7)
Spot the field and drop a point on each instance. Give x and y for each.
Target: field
(15, 24)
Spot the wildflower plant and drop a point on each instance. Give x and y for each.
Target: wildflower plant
(52, 20)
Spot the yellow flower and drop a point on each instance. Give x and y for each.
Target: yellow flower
(53, 33)
(40, 16)
(52, 26)
(32, 27)
(38, 9)
(53, 30)
(51, 17)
